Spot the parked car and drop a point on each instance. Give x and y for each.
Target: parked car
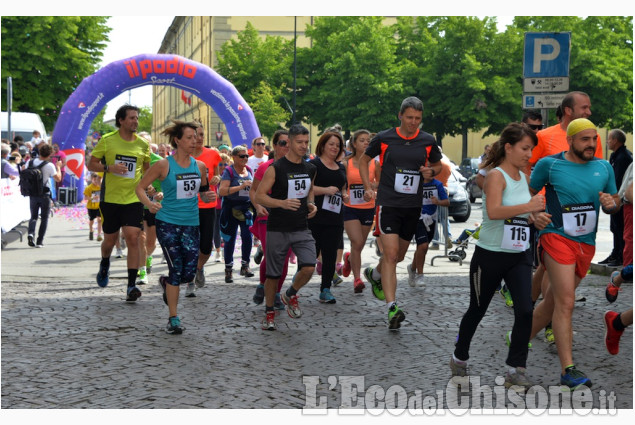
(469, 167)
(473, 191)
(460, 207)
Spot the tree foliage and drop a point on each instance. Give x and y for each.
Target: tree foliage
(47, 57)
(145, 119)
(267, 110)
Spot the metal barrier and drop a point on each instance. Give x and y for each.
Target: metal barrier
(441, 220)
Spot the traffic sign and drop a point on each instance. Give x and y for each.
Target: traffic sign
(547, 84)
(547, 54)
(540, 101)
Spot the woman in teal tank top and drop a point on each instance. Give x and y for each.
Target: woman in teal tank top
(182, 178)
(503, 250)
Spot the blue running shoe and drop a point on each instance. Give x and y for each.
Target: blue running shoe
(174, 326)
(326, 296)
(259, 296)
(133, 294)
(102, 276)
(163, 282)
(573, 378)
(278, 304)
(378, 291)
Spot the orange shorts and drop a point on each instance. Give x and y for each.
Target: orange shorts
(567, 251)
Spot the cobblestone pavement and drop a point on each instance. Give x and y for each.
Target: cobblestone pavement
(66, 343)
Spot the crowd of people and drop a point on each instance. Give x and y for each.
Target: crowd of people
(543, 189)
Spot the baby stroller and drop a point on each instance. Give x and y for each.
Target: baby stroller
(462, 242)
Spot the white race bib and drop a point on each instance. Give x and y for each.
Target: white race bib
(332, 203)
(187, 185)
(94, 196)
(515, 234)
(299, 185)
(245, 190)
(131, 165)
(407, 181)
(356, 194)
(428, 194)
(579, 219)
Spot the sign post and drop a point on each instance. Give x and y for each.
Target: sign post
(546, 61)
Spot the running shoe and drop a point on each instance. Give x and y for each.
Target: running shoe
(395, 317)
(99, 238)
(293, 259)
(549, 336)
(228, 276)
(199, 278)
(268, 323)
(259, 296)
(293, 308)
(31, 240)
(458, 369)
(517, 379)
(411, 275)
(419, 280)
(217, 257)
(143, 276)
(244, 271)
(277, 303)
(148, 263)
(174, 326)
(506, 296)
(338, 268)
(612, 290)
(378, 292)
(336, 279)
(508, 339)
(611, 335)
(318, 268)
(326, 296)
(133, 294)
(258, 255)
(346, 268)
(163, 282)
(574, 378)
(358, 286)
(90, 236)
(119, 253)
(102, 276)
(189, 290)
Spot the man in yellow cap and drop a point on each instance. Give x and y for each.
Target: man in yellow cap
(577, 184)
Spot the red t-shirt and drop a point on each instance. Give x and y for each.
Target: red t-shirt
(211, 159)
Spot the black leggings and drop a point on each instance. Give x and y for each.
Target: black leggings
(487, 270)
(327, 242)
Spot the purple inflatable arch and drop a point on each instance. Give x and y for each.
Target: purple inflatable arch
(109, 82)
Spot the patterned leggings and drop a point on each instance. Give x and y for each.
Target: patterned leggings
(180, 247)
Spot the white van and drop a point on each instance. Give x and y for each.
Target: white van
(23, 124)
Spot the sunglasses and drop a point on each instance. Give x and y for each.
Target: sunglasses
(282, 143)
(243, 156)
(223, 164)
(259, 144)
(535, 126)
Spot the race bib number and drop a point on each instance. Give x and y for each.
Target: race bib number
(579, 219)
(407, 181)
(94, 196)
(332, 203)
(299, 186)
(515, 234)
(131, 165)
(187, 185)
(245, 190)
(428, 194)
(356, 194)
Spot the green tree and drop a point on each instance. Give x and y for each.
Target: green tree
(99, 126)
(249, 60)
(601, 62)
(350, 74)
(47, 58)
(268, 112)
(145, 119)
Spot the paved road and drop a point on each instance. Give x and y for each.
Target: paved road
(66, 343)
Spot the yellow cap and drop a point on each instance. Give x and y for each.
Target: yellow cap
(579, 125)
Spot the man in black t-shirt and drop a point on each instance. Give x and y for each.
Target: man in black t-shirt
(406, 155)
(287, 189)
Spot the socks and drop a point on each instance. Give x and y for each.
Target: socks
(291, 291)
(375, 274)
(390, 304)
(458, 361)
(105, 262)
(132, 276)
(617, 323)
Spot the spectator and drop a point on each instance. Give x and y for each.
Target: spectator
(40, 205)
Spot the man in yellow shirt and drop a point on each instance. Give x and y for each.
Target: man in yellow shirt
(123, 157)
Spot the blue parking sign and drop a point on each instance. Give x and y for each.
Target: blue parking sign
(547, 54)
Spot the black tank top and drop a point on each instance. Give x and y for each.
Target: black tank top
(329, 207)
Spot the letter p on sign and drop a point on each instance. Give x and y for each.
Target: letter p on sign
(539, 52)
(546, 55)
